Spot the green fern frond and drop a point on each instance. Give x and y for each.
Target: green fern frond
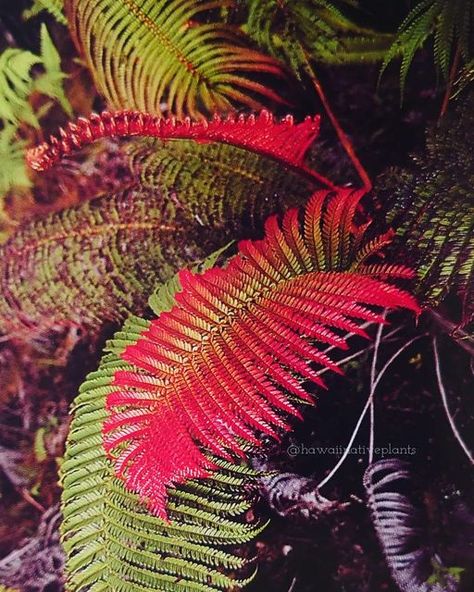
(451, 25)
(54, 7)
(319, 29)
(18, 82)
(12, 156)
(168, 56)
(16, 85)
(100, 260)
(432, 208)
(51, 82)
(114, 544)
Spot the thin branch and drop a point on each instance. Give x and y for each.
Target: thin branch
(444, 398)
(457, 334)
(366, 408)
(341, 134)
(373, 370)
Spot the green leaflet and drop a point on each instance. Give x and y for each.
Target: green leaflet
(54, 7)
(432, 208)
(114, 545)
(99, 261)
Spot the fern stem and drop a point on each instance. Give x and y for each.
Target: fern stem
(444, 399)
(373, 370)
(341, 134)
(449, 86)
(370, 398)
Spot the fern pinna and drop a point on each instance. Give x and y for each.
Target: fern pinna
(225, 364)
(213, 182)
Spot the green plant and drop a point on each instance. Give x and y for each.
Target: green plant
(450, 24)
(109, 535)
(114, 544)
(182, 60)
(320, 30)
(24, 74)
(87, 265)
(54, 7)
(430, 205)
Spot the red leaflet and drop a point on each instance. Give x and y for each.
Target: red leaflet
(218, 369)
(283, 140)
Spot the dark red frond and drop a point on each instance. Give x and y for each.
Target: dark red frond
(225, 365)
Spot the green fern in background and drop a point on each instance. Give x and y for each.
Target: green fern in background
(12, 156)
(431, 206)
(54, 7)
(321, 30)
(22, 75)
(451, 24)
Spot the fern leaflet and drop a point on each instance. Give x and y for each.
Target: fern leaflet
(319, 29)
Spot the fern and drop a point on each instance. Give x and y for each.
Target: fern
(431, 205)
(112, 542)
(216, 368)
(399, 528)
(12, 156)
(99, 261)
(18, 83)
(319, 29)
(54, 7)
(450, 24)
(178, 56)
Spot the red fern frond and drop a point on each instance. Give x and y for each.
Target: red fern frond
(226, 364)
(283, 140)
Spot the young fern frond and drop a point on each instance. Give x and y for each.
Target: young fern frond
(114, 545)
(180, 60)
(450, 23)
(218, 367)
